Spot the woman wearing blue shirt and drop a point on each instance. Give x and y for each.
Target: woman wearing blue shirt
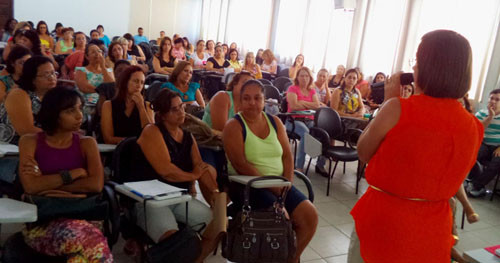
(180, 82)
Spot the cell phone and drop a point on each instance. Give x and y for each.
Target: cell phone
(406, 78)
(377, 94)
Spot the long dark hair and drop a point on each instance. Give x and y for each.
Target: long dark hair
(30, 70)
(6, 26)
(122, 83)
(236, 79)
(342, 86)
(160, 50)
(32, 35)
(54, 102)
(162, 103)
(40, 23)
(16, 53)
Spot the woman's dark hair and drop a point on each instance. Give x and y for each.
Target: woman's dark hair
(342, 86)
(311, 77)
(236, 79)
(231, 51)
(444, 63)
(66, 29)
(376, 75)
(100, 26)
(54, 102)
(93, 42)
(121, 62)
(177, 70)
(58, 24)
(208, 41)
(295, 61)
(251, 82)
(16, 53)
(179, 40)
(187, 40)
(160, 50)
(76, 34)
(92, 31)
(122, 83)
(110, 51)
(32, 35)
(6, 26)
(30, 70)
(199, 41)
(31, 24)
(40, 23)
(162, 103)
(129, 36)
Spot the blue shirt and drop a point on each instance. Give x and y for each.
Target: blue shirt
(106, 40)
(190, 94)
(139, 39)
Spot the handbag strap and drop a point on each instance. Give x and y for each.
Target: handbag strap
(281, 199)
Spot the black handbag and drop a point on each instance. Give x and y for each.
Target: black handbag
(260, 236)
(184, 246)
(94, 207)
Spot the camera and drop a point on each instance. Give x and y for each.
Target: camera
(377, 94)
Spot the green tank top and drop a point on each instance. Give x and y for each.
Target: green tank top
(207, 118)
(264, 154)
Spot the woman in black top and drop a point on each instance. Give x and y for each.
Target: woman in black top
(173, 154)
(163, 61)
(337, 79)
(127, 113)
(134, 50)
(217, 63)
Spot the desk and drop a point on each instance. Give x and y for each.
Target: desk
(13, 211)
(154, 203)
(353, 122)
(243, 179)
(481, 256)
(106, 148)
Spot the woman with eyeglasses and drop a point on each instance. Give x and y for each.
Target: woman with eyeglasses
(43, 32)
(17, 114)
(15, 62)
(92, 74)
(126, 114)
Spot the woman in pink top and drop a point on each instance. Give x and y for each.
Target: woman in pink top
(301, 96)
(178, 50)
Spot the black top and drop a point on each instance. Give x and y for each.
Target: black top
(123, 125)
(163, 63)
(332, 84)
(216, 65)
(134, 51)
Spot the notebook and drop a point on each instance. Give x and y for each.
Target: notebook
(155, 189)
(8, 149)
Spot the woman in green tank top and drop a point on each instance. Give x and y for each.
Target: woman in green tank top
(225, 104)
(256, 144)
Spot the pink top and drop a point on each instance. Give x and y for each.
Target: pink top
(179, 53)
(296, 89)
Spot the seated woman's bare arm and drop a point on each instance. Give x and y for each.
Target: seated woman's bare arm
(219, 108)
(199, 98)
(293, 102)
(287, 158)
(107, 124)
(157, 68)
(312, 104)
(82, 83)
(18, 106)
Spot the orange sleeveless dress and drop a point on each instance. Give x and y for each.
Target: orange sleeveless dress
(427, 155)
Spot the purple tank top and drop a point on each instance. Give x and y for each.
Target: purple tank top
(52, 160)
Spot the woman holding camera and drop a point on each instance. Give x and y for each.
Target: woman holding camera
(418, 157)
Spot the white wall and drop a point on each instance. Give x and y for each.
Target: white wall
(83, 15)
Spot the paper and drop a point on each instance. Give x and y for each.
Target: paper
(154, 188)
(8, 149)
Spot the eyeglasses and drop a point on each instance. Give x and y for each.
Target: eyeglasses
(49, 75)
(178, 109)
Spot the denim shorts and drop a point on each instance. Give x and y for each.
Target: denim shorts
(263, 198)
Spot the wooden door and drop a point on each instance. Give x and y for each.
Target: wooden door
(6, 11)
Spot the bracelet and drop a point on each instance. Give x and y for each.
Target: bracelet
(66, 177)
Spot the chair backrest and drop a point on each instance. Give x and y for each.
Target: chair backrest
(284, 73)
(265, 82)
(229, 76)
(122, 159)
(146, 48)
(107, 90)
(156, 77)
(153, 91)
(153, 42)
(271, 92)
(329, 120)
(282, 82)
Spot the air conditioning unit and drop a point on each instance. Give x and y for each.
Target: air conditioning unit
(345, 4)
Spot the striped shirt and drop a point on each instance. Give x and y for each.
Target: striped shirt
(492, 132)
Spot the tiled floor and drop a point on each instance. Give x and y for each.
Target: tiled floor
(331, 242)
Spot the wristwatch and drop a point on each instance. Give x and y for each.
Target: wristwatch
(66, 177)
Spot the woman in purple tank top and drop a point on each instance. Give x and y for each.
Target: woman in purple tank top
(58, 162)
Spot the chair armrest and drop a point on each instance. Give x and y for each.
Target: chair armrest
(321, 135)
(266, 182)
(352, 136)
(112, 224)
(308, 184)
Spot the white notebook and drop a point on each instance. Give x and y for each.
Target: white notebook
(8, 149)
(154, 188)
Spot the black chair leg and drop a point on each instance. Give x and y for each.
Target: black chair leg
(308, 164)
(344, 168)
(463, 219)
(495, 191)
(295, 153)
(331, 176)
(358, 176)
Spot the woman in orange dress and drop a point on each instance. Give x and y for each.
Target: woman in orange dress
(419, 151)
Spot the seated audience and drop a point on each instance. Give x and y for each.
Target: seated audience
(180, 82)
(225, 104)
(76, 58)
(217, 63)
(178, 49)
(57, 34)
(225, 49)
(250, 65)
(162, 35)
(199, 58)
(164, 61)
(265, 150)
(43, 32)
(8, 29)
(19, 32)
(407, 91)
(297, 64)
(171, 155)
(346, 99)
(336, 80)
(258, 57)
(134, 50)
(94, 34)
(210, 48)
(370, 104)
(269, 63)
(489, 152)
(188, 47)
(65, 45)
(15, 62)
(58, 162)
(102, 36)
(116, 52)
(301, 96)
(362, 85)
(321, 86)
(139, 38)
(233, 60)
(92, 74)
(233, 46)
(17, 114)
(126, 114)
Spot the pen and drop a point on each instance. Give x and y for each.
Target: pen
(136, 193)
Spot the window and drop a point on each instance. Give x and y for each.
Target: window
(289, 31)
